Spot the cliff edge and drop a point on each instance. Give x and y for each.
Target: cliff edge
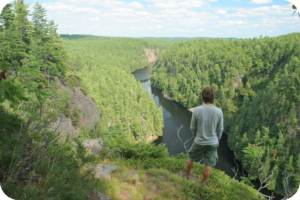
(89, 112)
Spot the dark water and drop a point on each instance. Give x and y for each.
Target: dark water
(175, 116)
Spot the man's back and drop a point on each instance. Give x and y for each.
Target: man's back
(207, 124)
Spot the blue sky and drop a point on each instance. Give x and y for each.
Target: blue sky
(173, 18)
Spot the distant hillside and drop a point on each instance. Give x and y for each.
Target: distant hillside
(79, 36)
(181, 39)
(169, 39)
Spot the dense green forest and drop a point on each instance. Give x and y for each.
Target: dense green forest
(104, 67)
(257, 83)
(125, 53)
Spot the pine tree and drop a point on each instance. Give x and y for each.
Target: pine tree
(6, 17)
(20, 31)
(39, 23)
(6, 20)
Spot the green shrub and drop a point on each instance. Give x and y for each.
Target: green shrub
(63, 101)
(84, 91)
(77, 112)
(131, 149)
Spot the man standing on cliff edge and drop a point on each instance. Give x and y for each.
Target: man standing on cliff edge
(207, 128)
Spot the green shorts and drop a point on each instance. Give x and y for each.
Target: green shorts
(210, 154)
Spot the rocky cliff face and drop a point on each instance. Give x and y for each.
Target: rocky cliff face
(64, 125)
(89, 112)
(87, 106)
(150, 53)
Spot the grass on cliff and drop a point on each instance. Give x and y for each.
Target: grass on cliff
(161, 175)
(161, 178)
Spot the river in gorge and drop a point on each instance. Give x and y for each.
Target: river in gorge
(176, 116)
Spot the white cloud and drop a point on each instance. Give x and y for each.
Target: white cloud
(136, 5)
(174, 18)
(235, 22)
(179, 3)
(105, 3)
(263, 11)
(142, 13)
(176, 30)
(155, 27)
(221, 12)
(136, 28)
(95, 19)
(191, 21)
(260, 1)
(237, 14)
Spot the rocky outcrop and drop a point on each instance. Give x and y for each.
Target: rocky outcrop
(89, 111)
(237, 82)
(167, 97)
(104, 170)
(60, 84)
(150, 53)
(96, 146)
(64, 125)
(133, 175)
(95, 195)
(87, 106)
(151, 58)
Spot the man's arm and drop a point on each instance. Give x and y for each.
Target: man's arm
(193, 126)
(220, 128)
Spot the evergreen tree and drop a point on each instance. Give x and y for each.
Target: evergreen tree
(20, 31)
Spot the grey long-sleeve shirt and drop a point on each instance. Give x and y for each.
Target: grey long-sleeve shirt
(207, 124)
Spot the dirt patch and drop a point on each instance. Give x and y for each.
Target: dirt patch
(166, 179)
(125, 195)
(150, 175)
(152, 192)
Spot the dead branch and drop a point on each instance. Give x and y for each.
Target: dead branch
(183, 143)
(265, 181)
(235, 171)
(285, 181)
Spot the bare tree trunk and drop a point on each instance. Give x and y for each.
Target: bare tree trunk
(45, 65)
(48, 77)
